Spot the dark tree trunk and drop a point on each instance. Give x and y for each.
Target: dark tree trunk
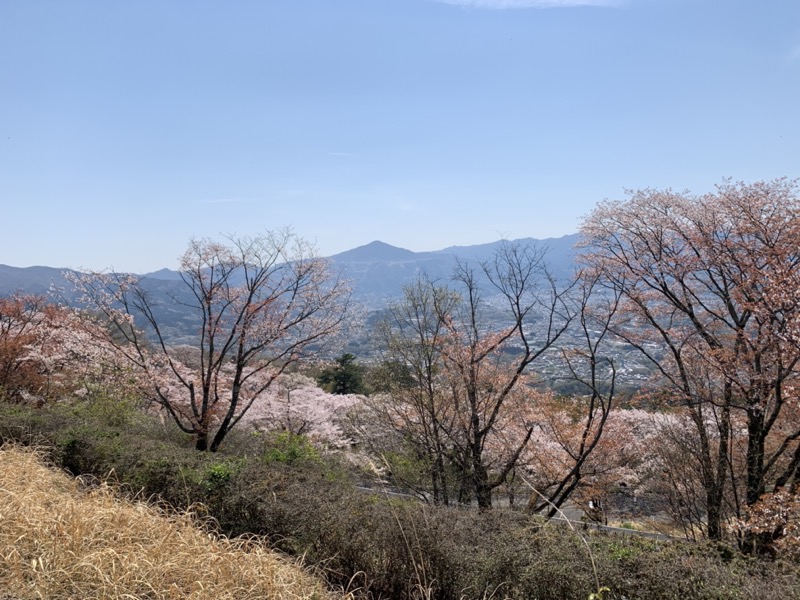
(755, 456)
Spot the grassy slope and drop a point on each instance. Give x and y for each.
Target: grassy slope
(57, 541)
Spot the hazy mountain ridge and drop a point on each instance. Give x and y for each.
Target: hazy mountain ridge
(377, 272)
(164, 274)
(30, 280)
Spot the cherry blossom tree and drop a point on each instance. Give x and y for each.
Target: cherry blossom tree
(412, 334)
(486, 364)
(19, 316)
(50, 352)
(701, 279)
(573, 427)
(469, 370)
(263, 303)
(297, 405)
(560, 467)
(772, 524)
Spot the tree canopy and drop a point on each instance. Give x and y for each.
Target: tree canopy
(263, 303)
(710, 296)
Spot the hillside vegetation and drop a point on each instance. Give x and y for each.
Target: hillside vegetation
(373, 545)
(58, 540)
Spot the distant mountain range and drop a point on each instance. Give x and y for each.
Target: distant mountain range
(377, 271)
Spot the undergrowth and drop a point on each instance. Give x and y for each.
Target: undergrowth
(307, 505)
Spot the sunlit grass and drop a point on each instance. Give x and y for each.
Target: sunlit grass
(59, 541)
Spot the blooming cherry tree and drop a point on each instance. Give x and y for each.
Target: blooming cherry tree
(262, 304)
(49, 351)
(19, 332)
(296, 404)
(469, 371)
(709, 290)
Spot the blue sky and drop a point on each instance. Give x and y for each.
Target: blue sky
(127, 128)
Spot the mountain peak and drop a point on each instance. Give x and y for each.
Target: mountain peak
(165, 274)
(376, 251)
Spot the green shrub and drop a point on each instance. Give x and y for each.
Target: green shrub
(103, 409)
(288, 448)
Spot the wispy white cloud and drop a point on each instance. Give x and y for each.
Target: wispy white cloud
(509, 4)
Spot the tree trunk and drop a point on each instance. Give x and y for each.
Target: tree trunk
(713, 479)
(755, 456)
(483, 490)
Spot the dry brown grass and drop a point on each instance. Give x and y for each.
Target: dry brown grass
(59, 541)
